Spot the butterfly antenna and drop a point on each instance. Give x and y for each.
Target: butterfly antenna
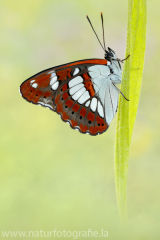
(95, 32)
(103, 31)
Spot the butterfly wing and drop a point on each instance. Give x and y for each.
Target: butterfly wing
(72, 91)
(102, 80)
(37, 89)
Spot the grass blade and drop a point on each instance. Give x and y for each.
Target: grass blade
(131, 85)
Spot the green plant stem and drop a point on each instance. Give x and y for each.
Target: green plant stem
(131, 85)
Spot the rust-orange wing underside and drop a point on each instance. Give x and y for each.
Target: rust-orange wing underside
(38, 90)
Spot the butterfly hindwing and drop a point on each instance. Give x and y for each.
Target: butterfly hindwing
(77, 104)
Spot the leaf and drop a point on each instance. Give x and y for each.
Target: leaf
(131, 85)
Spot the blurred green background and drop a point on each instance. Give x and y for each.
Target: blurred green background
(53, 176)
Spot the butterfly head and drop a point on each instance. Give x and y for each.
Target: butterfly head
(110, 54)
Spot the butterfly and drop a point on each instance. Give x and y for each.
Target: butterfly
(83, 93)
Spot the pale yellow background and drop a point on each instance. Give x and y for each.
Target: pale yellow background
(53, 176)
